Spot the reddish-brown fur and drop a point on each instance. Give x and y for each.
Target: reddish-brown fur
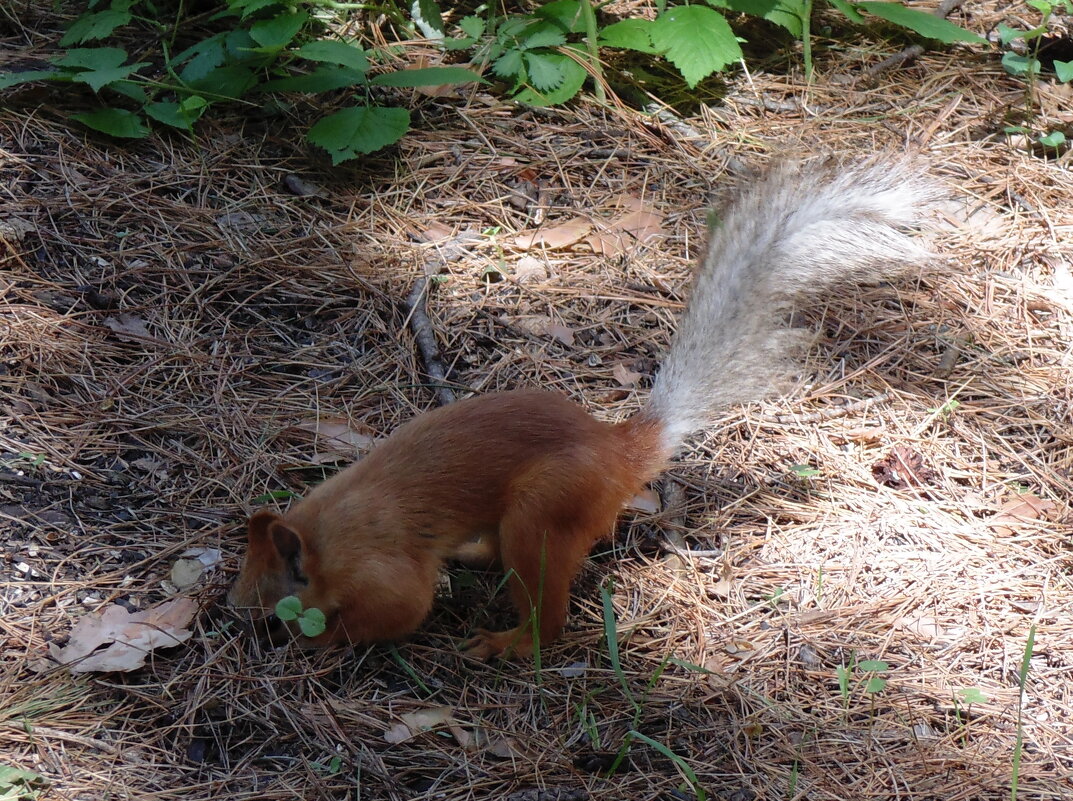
(525, 479)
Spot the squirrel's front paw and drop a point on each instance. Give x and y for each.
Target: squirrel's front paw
(503, 644)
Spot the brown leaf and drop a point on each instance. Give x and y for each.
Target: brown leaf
(623, 233)
(130, 636)
(625, 376)
(435, 232)
(563, 333)
(1019, 510)
(127, 327)
(334, 439)
(530, 269)
(902, 467)
(555, 237)
(543, 326)
(413, 723)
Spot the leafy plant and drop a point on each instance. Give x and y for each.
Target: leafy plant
(282, 47)
(311, 622)
(272, 47)
(872, 682)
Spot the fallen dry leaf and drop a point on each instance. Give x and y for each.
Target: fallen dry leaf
(414, 723)
(1019, 510)
(151, 464)
(543, 326)
(530, 269)
(624, 232)
(334, 439)
(130, 636)
(186, 572)
(625, 376)
(902, 467)
(561, 332)
(127, 327)
(555, 237)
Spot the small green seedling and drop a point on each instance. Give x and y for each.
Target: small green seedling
(874, 684)
(310, 621)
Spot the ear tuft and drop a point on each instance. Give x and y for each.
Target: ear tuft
(257, 528)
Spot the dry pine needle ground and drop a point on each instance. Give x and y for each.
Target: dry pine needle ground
(176, 326)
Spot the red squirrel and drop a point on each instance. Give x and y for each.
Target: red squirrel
(527, 479)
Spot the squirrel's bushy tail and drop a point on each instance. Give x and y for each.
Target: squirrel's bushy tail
(800, 230)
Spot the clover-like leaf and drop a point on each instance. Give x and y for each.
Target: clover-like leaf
(312, 623)
(289, 608)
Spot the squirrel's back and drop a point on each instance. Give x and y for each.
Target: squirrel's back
(800, 230)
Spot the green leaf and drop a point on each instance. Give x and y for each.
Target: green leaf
(231, 81)
(8, 79)
(566, 14)
(574, 76)
(697, 40)
(629, 34)
(544, 71)
(333, 51)
(1064, 70)
(429, 76)
(1006, 34)
(509, 64)
(472, 26)
(178, 115)
(203, 57)
(91, 58)
(848, 10)
(431, 14)
(289, 608)
(1015, 64)
(322, 79)
(359, 129)
(972, 695)
(98, 66)
(94, 26)
(312, 623)
(132, 90)
(278, 32)
(843, 674)
(787, 13)
(116, 122)
(1053, 139)
(875, 685)
(876, 665)
(922, 22)
(251, 7)
(543, 36)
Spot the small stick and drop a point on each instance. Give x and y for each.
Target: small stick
(827, 414)
(426, 341)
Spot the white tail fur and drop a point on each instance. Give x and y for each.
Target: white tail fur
(800, 230)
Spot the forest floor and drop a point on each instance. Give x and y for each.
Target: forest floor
(189, 327)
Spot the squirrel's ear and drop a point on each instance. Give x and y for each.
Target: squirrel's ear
(257, 529)
(288, 543)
